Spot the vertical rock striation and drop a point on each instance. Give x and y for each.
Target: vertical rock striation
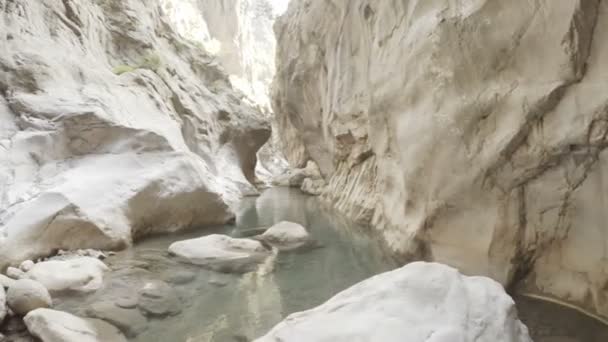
(472, 133)
(112, 126)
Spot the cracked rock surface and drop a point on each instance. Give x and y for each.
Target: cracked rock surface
(113, 127)
(472, 133)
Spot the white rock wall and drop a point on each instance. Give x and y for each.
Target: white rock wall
(467, 132)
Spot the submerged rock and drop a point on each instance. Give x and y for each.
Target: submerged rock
(221, 253)
(419, 302)
(286, 235)
(180, 277)
(56, 326)
(157, 298)
(26, 295)
(81, 274)
(130, 321)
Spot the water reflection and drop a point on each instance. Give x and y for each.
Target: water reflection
(222, 307)
(237, 308)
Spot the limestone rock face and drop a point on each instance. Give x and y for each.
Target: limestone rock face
(313, 187)
(420, 302)
(112, 127)
(239, 33)
(469, 132)
(83, 274)
(56, 326)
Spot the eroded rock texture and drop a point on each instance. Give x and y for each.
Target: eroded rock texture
(467, 132)
(113, 127)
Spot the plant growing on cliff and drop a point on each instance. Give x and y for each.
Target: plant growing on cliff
(123, 68)
(151, 62)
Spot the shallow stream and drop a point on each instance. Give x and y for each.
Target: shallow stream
(237, 308)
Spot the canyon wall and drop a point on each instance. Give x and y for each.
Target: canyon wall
(114, 126)
(469, 132)
(239, 34)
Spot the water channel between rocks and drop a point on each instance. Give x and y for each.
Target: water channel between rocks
(237, 308)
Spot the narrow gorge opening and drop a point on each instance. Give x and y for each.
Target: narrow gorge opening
(304, 170)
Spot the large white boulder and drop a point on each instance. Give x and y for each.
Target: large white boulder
(57, 326)
(221, 252)
(286, 235)
(26, 295)
(81, 274)
(421, 302)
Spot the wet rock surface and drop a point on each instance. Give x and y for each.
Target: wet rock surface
(130, 321)
(157, 298)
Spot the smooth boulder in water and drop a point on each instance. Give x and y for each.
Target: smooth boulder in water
(80, 274)
(221, 253)
(26, 295)
(421, 302)
(286, 235)
(57, 326)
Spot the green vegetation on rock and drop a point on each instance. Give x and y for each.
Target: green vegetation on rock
(151, 62)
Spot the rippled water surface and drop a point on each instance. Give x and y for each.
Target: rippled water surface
(225, 307)
(237, 308)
